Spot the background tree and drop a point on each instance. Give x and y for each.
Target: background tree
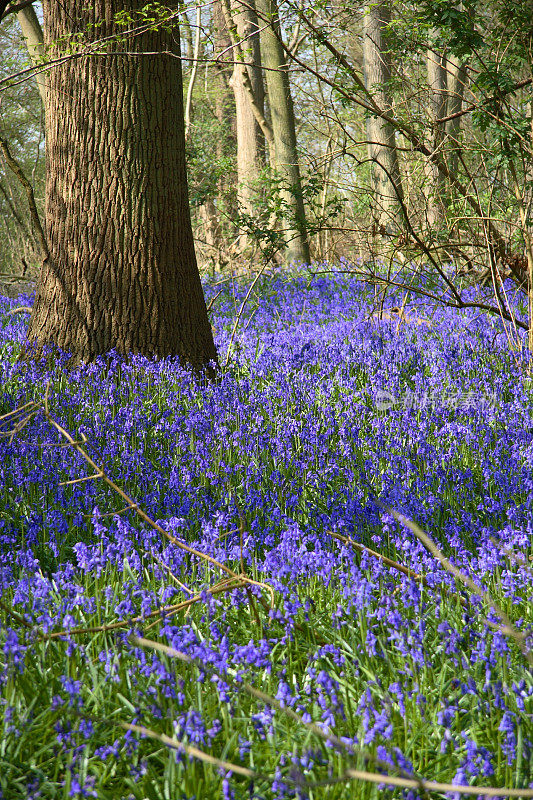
(21, 127)
(248, 89)
(210, 146)
(281, 106)
(437, 84)
(457, 78)
(382, 152)
(33, 35)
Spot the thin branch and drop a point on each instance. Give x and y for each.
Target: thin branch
(192, 751)
(18, 617)
(372, 277)
(33, 408)
(16, 216)
(19, 310)
(240, 312)
(163, 611)
(348, 775)
(388, 561)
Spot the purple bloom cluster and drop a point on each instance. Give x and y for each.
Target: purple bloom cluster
(275, 470)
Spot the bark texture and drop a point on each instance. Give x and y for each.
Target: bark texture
(122, 272)
(386, 178)
(284, 130)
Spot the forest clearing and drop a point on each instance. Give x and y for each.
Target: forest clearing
(266, 384)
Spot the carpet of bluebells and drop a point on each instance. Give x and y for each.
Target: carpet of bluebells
(275, 471)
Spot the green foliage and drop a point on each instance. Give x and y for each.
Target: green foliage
(208, 168)
(153, 15)
(271, 204)
(455, 25)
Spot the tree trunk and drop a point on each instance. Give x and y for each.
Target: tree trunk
(193, 73)
(187, 31)
(33, 34)
(211, 243)
(250, 140)
(457, 76)
(386, 179)
(121, 273)
(225, 105)
(226, 143)
(437, 83)
(284, 130)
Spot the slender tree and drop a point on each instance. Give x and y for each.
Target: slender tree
(225, 104)
(195, 59)
(435, 183)
(212, 245)
(121, 271)
(33, 35)
(457, 77)
(284, 130)
(382, 152)
(247, 85)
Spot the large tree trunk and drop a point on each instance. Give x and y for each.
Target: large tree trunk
(121, 273)
(284, 130)
(386, 179)
(250, 140)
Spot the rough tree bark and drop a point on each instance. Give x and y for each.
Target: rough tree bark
(386, 178)
(121, 272)
(284, 130)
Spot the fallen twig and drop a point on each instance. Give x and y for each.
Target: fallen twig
(18, 310)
